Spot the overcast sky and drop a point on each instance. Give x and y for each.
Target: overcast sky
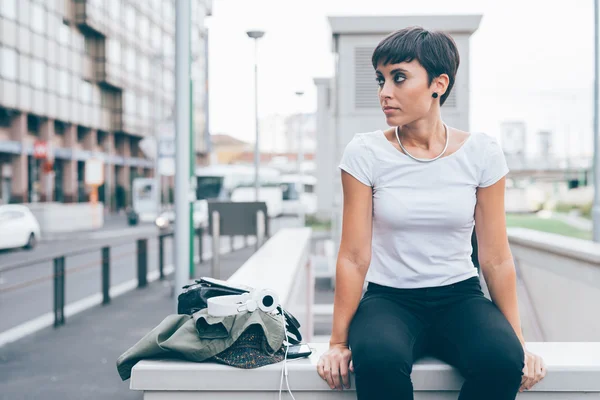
(531, 60)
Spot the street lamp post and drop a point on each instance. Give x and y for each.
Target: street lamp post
(182, 150)
(300, 156)
(256, 35)
(596, 208)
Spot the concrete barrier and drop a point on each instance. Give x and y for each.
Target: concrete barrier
(58, 217)
(573, 372)
(561, 276)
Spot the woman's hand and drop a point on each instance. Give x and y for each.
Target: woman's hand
(533, 372)
(334, 364)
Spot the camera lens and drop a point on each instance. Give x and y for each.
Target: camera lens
(268, 301)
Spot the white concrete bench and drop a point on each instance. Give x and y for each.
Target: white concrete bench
(281, 264)
(573, 374)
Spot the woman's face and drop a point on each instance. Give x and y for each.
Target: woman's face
(404, 92)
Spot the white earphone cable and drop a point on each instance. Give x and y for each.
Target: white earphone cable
(284, 370)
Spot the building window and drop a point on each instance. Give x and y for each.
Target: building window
(130, 58)
(144, 67)
(63, 84)
(156, 36)
(38, 22)
(8, 9)
(24, 68)
(24, 11)
(38, 74)
(115, 9)
(8, 63)
(114, 52)
(130, 17)
(52, 79)
(63, 34)
(86, 92)
(144, 28)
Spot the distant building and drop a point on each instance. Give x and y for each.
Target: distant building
(279, 133)
(89, 79)
(514, 142)
(228, 149)
(545, 144)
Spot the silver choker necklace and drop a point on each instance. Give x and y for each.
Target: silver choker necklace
(425, 159)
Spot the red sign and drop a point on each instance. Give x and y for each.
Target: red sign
(40, 149)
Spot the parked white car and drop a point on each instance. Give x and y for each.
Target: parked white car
(18, 227)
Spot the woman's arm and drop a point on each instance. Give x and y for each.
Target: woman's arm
(354, 255)
(498, 269)
(353, 261)
(495, 257)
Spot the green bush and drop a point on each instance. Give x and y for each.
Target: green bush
(586, 210)
(316, 223)
(564, 207)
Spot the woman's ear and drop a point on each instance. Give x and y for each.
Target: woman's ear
(440, 84)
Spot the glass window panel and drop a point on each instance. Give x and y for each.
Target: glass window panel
(24, 68)
(75, 84)
(63, 34)
(168, 11)
(114, 9)
(130, 17)
(114, 51)
(156, 37)
(52, 79)
(8, 63)
(24, 11)
(52, 24)
(144, 27)
(86, 92)
(38, 74)
(38, 21)
(8, 9)
(169, 47)
(144, 69)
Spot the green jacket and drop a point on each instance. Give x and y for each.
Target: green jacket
(198, 337)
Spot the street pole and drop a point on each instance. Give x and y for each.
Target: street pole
(256, 35)
(182, 130)
(157, 59)
(302, 214)
(596, 207)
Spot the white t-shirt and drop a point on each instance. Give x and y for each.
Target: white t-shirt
(423, 213)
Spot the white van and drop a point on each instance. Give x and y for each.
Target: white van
(218, 182)
(293, 202)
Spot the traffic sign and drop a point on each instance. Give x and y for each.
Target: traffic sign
(40, 149)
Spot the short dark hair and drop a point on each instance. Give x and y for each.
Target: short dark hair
(435, 51)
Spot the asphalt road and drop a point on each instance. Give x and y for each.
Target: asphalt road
(27, 292)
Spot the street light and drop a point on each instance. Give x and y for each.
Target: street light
(256, 35)
(300, 157)
(596, 207)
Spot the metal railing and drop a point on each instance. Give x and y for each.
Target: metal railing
(59, 272)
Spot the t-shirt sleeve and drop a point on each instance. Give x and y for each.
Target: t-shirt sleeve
(494, 164)
(357, 161)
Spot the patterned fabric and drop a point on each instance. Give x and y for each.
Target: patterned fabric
(251, 350)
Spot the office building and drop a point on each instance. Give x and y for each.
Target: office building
(82, 79)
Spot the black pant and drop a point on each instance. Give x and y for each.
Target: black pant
(393, 328)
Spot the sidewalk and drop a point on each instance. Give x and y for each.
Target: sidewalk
(77, 361)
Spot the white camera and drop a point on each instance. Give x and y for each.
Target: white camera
(223, 306)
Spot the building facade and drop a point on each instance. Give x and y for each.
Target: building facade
(82, 79)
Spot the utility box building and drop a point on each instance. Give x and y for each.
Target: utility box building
(348, 103)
